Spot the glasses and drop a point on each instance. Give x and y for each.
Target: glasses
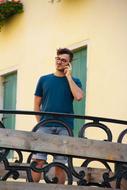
(61, 59)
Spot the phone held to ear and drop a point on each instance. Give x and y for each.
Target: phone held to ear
(70, 66)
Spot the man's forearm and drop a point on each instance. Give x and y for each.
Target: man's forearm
(37, 104)
(37, 109)
(76, 91)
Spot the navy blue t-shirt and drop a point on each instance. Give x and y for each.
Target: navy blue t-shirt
(56, 96)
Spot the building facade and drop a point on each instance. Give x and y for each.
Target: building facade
(94, 29)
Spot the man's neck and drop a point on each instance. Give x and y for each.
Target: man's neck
(59, 74)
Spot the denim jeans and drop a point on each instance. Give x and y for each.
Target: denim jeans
(54, 131)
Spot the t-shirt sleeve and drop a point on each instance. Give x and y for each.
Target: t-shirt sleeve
(39, 88)
(78, 82)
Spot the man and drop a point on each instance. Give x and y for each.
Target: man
(55, 93)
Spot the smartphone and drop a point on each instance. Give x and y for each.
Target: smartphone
(70, 66)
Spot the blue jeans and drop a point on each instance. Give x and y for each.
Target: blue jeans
(54, 131)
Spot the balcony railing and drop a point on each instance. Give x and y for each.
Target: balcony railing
(104, 151)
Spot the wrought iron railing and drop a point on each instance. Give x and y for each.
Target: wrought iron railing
(13, 169)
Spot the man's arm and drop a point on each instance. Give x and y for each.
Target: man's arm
(37, 103)
(76, 91)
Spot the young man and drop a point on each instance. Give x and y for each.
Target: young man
(55, 93)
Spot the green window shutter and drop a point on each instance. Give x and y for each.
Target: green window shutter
(9, 84)
(9, 97)
(79, 70)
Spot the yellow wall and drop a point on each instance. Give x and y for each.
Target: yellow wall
(29, 41)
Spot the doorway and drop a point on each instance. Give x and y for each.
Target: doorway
(9, 101)
(79, 70)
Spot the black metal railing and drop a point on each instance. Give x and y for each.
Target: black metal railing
(13, 169)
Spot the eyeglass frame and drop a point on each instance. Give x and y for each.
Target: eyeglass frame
(61, 59)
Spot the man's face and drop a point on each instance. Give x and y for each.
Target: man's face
(62, 61)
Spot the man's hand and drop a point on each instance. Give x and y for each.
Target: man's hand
(67, 70)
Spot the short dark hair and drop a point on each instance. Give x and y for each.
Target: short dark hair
(65, 51)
